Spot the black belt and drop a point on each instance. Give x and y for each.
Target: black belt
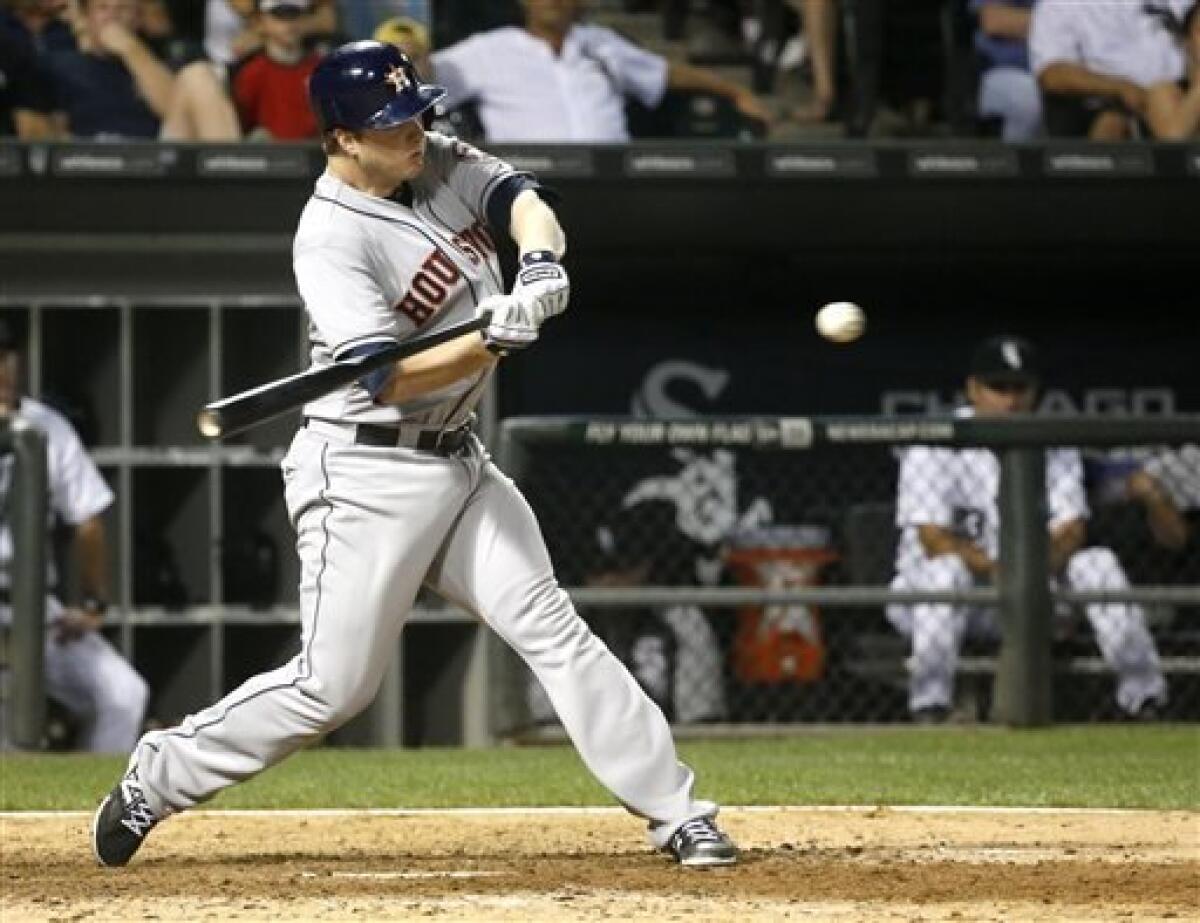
(441, 442)
(444, 442)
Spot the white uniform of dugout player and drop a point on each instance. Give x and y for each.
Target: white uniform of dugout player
(947, 510)
(104, 694)
(388, 488)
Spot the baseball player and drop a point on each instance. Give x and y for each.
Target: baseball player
(388, 487)
(947, 510)
(103, 693)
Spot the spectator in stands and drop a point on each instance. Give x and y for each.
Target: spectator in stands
(560, 81)
(38, 24)
(409, 36)
(1173, 108)
(113, 86)
(1007, 89)
(230, 32)
(819, 21)
(28, 29)
(83, 671)
(947, 509)
(270, 87)
(1095, 62)
(26, 95)
(265, 98)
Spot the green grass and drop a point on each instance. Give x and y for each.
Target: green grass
(1105, 766)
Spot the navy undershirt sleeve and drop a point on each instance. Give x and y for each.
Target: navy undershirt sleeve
(375, 381)
(499, 203)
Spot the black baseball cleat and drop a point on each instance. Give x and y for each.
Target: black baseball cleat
(699, 843)
(121, 822)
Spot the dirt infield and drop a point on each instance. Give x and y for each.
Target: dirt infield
(810, 864)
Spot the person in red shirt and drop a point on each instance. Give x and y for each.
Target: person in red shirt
(269, 87)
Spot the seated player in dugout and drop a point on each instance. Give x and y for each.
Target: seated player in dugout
(387, 485)
(104, 695)
(948, 514)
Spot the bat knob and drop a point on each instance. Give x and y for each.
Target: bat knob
(209, 424)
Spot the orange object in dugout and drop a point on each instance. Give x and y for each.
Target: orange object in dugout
(779, 643)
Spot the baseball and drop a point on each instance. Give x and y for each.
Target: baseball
(841, 321)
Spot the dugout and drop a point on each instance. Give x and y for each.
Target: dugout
(158, 277)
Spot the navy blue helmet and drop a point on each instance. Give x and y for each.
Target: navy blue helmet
(368, 85)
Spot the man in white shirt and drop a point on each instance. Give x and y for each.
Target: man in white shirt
(86, 674)
(1095, 59)
(554, 80)
(947, 510)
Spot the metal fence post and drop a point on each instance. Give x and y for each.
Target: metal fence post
(1023, 687)
(27, 511)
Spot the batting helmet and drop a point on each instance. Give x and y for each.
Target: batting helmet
(368, 85)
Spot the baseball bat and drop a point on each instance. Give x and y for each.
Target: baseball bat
(257, 405)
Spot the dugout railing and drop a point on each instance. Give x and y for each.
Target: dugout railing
(830, 485)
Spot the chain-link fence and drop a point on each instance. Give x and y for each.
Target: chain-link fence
(755, 571)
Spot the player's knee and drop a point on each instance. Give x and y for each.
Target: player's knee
(332, 705)
(540, 622)
(945, 572)
(1095, 567)
(122, 692)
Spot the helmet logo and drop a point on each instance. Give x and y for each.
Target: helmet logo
(398, 78)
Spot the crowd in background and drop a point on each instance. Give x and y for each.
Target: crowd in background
(221, 70)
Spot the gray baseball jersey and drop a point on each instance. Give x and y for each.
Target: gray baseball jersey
(373, 271)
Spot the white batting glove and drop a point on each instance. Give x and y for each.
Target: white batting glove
(512, 325)
(542, 283)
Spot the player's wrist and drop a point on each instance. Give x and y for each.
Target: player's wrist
(94, 606)
(499, 350)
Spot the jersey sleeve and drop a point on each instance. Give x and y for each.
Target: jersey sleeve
(638, 72)
(77, 489)
(923, 491)
(1177, 472)
(473, 175)
(454, 67)
(343, 299)
(1066, 498)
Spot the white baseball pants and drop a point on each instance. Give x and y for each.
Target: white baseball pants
(937, 629)
(372, 525)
